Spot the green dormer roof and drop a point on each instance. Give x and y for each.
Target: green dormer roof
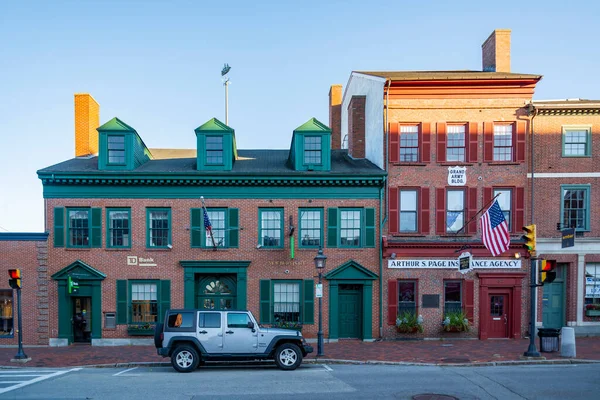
(313, 125)
(116, 124)
(213, 125)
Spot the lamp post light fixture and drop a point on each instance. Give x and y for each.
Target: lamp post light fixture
(320, 261)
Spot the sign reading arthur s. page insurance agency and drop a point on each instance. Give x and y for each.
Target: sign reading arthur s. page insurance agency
(434, 263)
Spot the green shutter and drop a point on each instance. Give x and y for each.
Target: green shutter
(234, 238)
(165, 299)
(332, 227)
(369, 227)
(121, 301)
(197, 228)
(309, 302)
(265, 301)
(59, 227)
(96, 227)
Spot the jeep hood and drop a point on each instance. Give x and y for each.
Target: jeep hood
(282, 331)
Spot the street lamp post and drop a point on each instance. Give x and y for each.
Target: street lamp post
(320, 261)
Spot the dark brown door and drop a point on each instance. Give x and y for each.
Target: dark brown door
(499, 316)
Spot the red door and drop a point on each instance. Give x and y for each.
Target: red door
(499, 316)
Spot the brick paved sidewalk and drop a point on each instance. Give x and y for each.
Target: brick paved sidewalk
(429, 352)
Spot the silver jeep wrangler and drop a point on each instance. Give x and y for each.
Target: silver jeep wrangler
(191, 337)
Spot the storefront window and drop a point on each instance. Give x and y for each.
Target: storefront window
(452, 298)
(592, 283)
(407, 293)
(6, 323)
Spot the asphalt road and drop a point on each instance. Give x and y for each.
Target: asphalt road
(310, 381)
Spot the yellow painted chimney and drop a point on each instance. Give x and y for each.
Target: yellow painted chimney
(87, 119)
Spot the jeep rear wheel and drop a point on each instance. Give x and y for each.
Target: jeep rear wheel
(185, 359)
(288, 356)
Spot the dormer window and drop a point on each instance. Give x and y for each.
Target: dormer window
(214, 150)
(116, 150)
(312, 150)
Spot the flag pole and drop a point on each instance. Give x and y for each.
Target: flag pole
(211, 232)
(477, 213)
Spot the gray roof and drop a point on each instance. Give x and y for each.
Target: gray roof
(249, 162)
(446, 75)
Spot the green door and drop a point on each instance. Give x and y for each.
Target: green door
(349, 312)
(553, 300)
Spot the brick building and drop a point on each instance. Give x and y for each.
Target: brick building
(29, 253)
(566, 194)
(128, 235)
(450, 141)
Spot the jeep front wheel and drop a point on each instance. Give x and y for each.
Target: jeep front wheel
(288, 356)
(185, 359)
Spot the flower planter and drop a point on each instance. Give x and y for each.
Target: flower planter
(453, 329)
(140, 332)
(592, 313)
(413, 329)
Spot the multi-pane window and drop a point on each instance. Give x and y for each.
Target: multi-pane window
(505, 203)
(503, 142)
(408, 211)
(216, 235)
(576, 142)
(286, 303)
(312, 150)
(271, 228)
(6, 306)
(350, 228)
(159, 227)
(452, 297)
(592, 283)
(407, 297)
(79, 228)
(575, 207)
(144, 302)
(455, 210)
(214, 150)
(118, 228)
(311, 230)
(409, 143)
(116, 149)
(455, 143)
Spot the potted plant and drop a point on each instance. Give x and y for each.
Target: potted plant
(455, 321)
(409, 322)
(142, 329)
(592, 310)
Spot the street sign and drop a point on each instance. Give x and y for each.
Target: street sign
(319, 290)
(568, 237)
(464, 262)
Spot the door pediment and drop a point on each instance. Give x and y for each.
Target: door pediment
(79, 270)
(351, 270)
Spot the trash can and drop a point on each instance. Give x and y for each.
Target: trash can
(549, 339)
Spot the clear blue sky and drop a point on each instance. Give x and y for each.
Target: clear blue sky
(156, 65)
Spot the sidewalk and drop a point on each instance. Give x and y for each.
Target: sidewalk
(432, 352)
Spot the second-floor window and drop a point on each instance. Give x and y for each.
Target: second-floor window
(455, 143)
(505, 202)
(214, 150)
(78, 228)
(576, 207)
(503, 142)
(311, 227)
(118, 234)
(576, 142)
(455, 210)
(312, 150)
(116, 149)
(409, 143)
(408, 211)
(350, 228)
(159, 227)
(215, 236)
(271, 228)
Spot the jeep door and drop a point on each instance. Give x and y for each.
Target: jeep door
(239, 338)
(210, 331)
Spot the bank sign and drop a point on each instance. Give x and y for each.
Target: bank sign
(432, 263)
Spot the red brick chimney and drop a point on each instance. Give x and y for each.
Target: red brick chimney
(335, 116)
(356, 127)
(495, 52)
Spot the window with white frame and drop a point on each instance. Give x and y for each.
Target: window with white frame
(350, 228)
(409, 143)
(503, 142)
(455, 143)
(215, 237)
(116, 149)
(505, 202)
(286, 302)
(214, 150)
(144, 302)
(118, 227)
(159, 229)
(312, 150)
(408, 211)
(79, 227)
(311, 231)
(455, 210)
(271, 227)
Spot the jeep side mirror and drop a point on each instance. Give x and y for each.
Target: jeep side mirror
(251, 325)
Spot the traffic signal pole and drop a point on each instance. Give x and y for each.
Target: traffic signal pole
(20, 353)
(532, 350)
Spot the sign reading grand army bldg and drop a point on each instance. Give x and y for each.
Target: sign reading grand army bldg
(433, 263)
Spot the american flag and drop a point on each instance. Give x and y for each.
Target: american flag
(494, 230)
(207, 224)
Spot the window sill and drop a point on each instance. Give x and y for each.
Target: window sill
(414, 164)
(79, 248)
(504, 163)
(158, 249)
(118, 249)
(414, 234)
(452, 235)
(270, 248)
(452, 164)
(583, 156)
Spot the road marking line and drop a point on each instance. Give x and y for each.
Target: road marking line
(38, 379)
(122, 372)
(327, 368)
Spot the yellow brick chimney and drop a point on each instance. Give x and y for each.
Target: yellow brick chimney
(87, 119)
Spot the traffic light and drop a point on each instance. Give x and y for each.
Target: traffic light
(547, 271)
(72, 286)
(529, 239)
(15, 278)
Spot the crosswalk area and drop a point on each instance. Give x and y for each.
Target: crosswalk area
(11, 379)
